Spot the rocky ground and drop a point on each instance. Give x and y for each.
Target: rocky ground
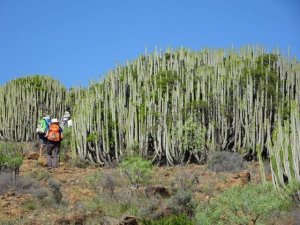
(75, 187)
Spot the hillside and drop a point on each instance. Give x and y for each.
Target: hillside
(84, 194)
(213, 115)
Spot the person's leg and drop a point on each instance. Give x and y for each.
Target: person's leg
(55, 155)
(49, 155)
(41, 143)
(44, 148)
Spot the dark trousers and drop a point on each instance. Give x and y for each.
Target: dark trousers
(52, 154)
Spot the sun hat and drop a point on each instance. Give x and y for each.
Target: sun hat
(54, 120)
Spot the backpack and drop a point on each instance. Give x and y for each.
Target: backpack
(42, 126)
(54, 133)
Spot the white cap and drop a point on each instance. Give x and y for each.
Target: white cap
(54, 120)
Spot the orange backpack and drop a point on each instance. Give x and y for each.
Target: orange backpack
(54, 133)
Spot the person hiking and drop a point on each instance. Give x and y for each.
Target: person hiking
(41, 131)
(54, 136)
(66, 120)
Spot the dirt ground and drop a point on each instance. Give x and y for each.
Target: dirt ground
(24, 208)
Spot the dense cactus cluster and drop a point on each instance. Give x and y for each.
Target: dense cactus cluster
(235, 99)
(24, 101)
(173, 107)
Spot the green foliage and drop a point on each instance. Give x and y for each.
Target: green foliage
(182, 202)
(171, 220)
(243, 205)
(30, 205)
(137, 169)
(292, 190)
(92, 137)
(11, 155)
(193, 136)
(166, 79)
(115, 206)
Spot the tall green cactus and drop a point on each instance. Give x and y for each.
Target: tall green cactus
(285, 149)
(23, 101)
(232, 94)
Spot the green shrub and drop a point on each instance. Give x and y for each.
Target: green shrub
(192, 137)
(182, 202)
(118, 206)
(55, 189)
(30, 205)
(152, 209)
(243, 205)
(11, 157)
(293, 190)
(108, 183)
(137, 169)
(93, 180)
(172, 220)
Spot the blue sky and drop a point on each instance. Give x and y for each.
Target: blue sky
(78, 41)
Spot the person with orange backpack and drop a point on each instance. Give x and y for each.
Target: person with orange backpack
(54, 136)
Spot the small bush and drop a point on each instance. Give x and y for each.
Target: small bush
(152, 209)
(108, 183)
(243, 205)
(182, 203)
(22, 185)
(137, 169)
(172, 220)
(293, 190)
(55, 189)
(226, 162)
(29, 205)
(93, 181)
(185, 182)
(112, 207)
(11, 157)
(41, 194)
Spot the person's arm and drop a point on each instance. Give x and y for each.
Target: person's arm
(61, 133)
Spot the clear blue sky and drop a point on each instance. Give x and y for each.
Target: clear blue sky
(78, 41)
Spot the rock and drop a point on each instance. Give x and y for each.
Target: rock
(32, 155)
(129, 220)
(10, 193)
(157, 190)
(245, 177)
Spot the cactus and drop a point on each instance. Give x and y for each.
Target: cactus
(236, 96)
(24, 101)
